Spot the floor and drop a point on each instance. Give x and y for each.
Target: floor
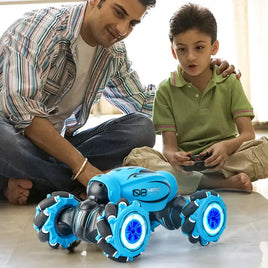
(244, 243)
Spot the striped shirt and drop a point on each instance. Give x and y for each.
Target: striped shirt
(38, 57)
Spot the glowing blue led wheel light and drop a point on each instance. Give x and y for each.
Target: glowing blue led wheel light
(130, 230)
(213, 219)
(209, 218)
(133, 231)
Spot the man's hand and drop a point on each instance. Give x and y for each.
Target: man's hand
(224, 68)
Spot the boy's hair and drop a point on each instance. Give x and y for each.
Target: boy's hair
(192, 16)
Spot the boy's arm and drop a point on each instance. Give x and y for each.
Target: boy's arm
(170, 150)
(246, 132)
(221, 149)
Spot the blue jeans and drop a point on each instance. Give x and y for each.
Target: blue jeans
(105, 146)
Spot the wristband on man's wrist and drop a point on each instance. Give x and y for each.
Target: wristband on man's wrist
(74, 177)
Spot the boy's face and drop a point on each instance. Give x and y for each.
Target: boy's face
(110, 21)
(193, 49)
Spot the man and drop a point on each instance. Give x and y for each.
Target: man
(54, 65)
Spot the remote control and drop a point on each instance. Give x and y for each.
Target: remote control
(199, 164)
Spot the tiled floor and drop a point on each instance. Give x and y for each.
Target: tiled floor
(244, 243)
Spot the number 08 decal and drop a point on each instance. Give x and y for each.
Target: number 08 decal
(139, 192)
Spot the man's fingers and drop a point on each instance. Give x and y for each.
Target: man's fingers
(237, 73)
(223, 66)
(226, 70)
(215, 61)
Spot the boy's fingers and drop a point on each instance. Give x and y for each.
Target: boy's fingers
(188, 163)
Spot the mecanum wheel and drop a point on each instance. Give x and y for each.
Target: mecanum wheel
(208, 220)
(124, 230)
(46, 219)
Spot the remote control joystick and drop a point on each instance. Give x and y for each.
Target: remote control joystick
(199, 163)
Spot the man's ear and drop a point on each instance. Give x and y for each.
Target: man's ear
(173, 52)
(94, 3)
(215, 47)
(99, 5)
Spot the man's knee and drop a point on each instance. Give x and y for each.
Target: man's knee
(144, 131)
(8, 135)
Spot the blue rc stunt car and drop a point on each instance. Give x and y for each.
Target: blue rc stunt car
(123, 207)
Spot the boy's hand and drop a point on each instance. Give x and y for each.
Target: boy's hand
(177, 159)
(224, 68)
(218, 153)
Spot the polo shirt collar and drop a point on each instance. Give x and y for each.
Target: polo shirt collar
(177, 80)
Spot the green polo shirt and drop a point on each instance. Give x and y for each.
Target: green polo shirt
(200, 119)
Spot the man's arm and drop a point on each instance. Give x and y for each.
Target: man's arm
(125, 90)
(43, 134)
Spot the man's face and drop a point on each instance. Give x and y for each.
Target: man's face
(108, 22)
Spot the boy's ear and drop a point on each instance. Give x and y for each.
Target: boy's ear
(215, 47)
(173, 52)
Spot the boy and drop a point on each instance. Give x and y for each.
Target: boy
(198, 111)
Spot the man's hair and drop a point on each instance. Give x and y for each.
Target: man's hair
(192, 16)
(146, 3)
